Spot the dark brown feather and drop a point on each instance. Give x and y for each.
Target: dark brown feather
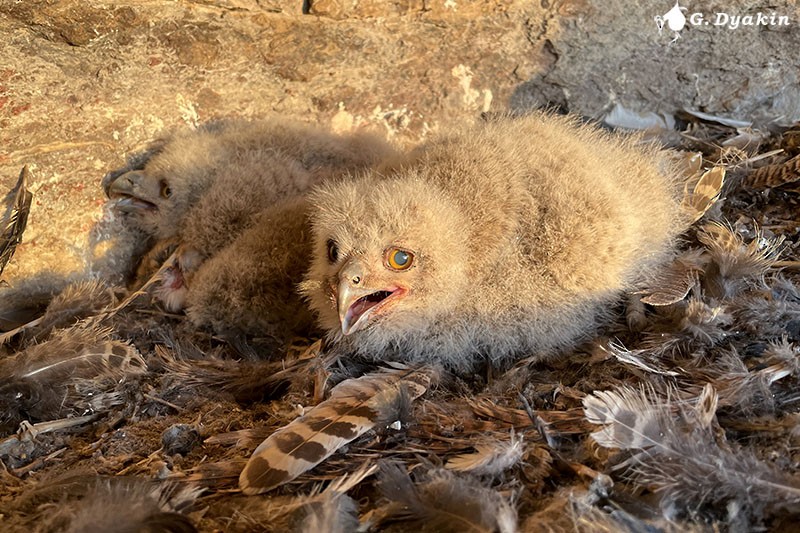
(443, 502)
(15, 218)
(85, 503)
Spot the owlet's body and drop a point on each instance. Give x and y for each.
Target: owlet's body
(509, 239)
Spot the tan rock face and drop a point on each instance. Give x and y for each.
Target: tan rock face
(83, 84)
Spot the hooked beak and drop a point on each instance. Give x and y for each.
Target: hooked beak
(358, 304)
(131, 191)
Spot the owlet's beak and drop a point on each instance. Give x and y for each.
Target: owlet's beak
(133, 191)
(358, 303)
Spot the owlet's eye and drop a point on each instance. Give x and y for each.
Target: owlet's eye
(333, 251)
(398, 259)
(166, 192)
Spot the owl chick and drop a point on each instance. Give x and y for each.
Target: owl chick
(158, 191)
(200, 189)
(511, 238)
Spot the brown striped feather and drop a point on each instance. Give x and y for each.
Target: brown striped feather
(354, 407)
(63, 375)
(774, 175)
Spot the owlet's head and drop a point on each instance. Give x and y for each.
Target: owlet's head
(156, 192)
(387, 254)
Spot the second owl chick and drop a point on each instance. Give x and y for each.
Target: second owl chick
(200, 189)
(508, 239)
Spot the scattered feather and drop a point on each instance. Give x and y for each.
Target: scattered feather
(772, 176)
(444, 502)
(78, 300)
(675, 282)
(746, 139)
(330, 510)
(638, 358)
(730, 122)
(737, 387)
(705, 193)
(784, 358)
(354, 407)
(84, 504)
(621, 117)
(770, 314)
(733, 261)
(65, 375)
(491, 457)
(704, 322)
(677, 454)
(246, 381)
(16, 207)
(27, 301)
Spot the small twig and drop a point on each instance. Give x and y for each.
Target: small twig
(786, 264)
(144, 461)
(19, 472)
(8, 335)
(165, 402)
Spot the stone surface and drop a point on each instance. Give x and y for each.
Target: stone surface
(606, 53)
(85, 83)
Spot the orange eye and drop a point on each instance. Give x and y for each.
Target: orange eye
(398, 259)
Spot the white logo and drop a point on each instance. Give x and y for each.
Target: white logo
(675, 20)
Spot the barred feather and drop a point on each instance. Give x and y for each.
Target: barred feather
(63, 375)
(355, 407)
(774, 175)
(705, 193)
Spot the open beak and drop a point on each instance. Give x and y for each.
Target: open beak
(131, 191)
(358, 305)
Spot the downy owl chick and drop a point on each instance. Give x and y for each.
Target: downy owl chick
(200, 189)
(511, 238)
